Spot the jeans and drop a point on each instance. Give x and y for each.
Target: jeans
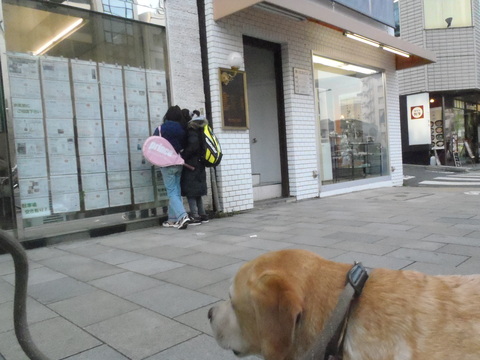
(196, 205)
(171, 179)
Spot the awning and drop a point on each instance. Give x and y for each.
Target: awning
(325, 16)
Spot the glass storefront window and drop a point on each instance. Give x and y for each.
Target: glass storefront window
(86, 89)
(67, 32)
(442, 14)
(461, 132)
(351, 113)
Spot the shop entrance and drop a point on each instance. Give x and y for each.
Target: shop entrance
(461, 127)
(266, 118)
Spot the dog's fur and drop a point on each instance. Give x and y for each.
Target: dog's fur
(281, 300)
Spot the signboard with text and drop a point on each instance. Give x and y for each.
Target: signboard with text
(418, 110)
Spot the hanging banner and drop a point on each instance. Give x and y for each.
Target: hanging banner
(418, 113)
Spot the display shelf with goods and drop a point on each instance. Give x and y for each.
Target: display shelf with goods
(351, 161)
(437, 129)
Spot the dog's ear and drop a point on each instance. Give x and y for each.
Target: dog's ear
(278, 308)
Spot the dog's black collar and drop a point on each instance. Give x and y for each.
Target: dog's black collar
(356, 277)
(329, 345)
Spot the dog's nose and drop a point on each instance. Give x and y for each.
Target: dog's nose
(210, 314)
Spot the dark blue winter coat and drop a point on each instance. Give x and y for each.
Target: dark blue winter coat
(174, 133)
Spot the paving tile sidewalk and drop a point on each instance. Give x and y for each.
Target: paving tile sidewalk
(145, 294)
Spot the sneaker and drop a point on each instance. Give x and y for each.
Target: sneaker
(183, 222)
(195, 220)
(204, 219)
(169, 224)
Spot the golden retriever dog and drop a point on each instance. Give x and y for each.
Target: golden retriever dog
(280, 301)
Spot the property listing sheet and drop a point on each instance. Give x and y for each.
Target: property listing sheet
(86, 95)
(115, 126)
(139, 131)
(79, 127)
(29, 134)
(56, 87)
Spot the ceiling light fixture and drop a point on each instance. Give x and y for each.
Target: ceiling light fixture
(359, 69)
(362, 39)
(341, 65)
(374, 43)
(59, 37)
(396, 51)
(329, 62)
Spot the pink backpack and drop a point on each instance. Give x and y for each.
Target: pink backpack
(158, 151)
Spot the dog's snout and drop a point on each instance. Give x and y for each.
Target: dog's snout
(210, 314)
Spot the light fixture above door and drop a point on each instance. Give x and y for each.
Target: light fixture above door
(377, 44)
(235, 60)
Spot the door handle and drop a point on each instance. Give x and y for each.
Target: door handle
(254, 140)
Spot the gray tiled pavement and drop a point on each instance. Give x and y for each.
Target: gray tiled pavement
(145, 294)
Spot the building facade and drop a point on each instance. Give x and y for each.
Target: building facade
(336, 134)
(450, 88)
(301, 108)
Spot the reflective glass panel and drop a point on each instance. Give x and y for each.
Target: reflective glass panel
(351, 113)
(86, 90)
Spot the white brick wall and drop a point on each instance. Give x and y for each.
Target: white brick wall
(394, 131)
(411, 30)
(476, 41)
(456, 50)
(186, 80)
(298, 39)
(185, 64)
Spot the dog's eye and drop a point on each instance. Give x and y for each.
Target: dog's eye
(297, 320)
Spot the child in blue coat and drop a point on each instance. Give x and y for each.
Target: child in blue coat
(173, 129)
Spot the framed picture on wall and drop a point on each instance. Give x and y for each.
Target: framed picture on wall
(234, 99)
